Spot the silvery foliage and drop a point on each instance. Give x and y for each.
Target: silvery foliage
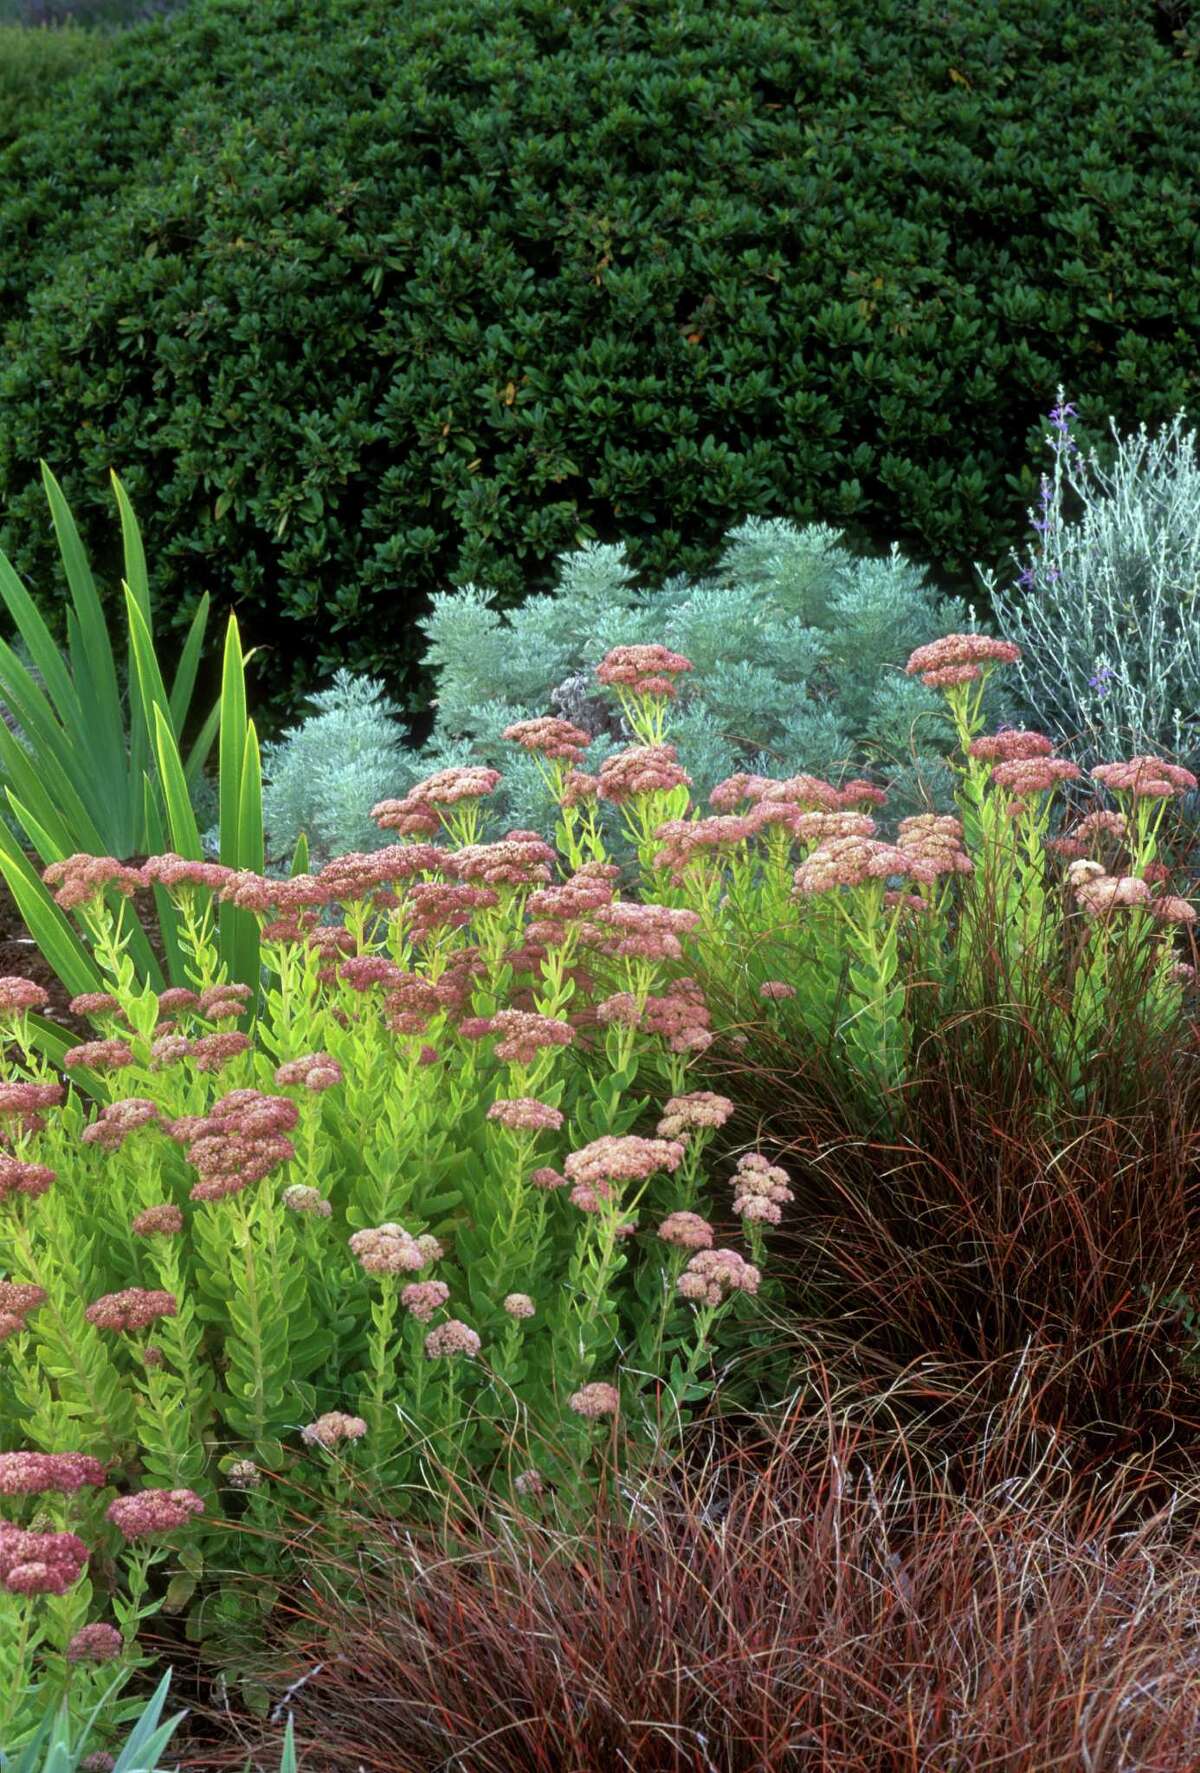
(1107, 612)
(324, 776)
(798, 648)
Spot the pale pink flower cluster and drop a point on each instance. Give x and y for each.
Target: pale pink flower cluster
(594, 1400)
(435, 905)
(680, 1017)
(149, 1512)
(298, 1198)
(94, 1003)
(211, 1052)
(29, 1098)
(525, 1114)
(332, 1428)
(524, 1034)
(1034, 775)
(131, 1310)
(622, 1158)
(172, 871)
(18, 1177)
(711, 1274)
(519, 1305)
(362, 971)
(100, 1055)
(1108, 892)
(520, 859)
(39, 1474)
(95, 1643)
(450, 1339)
(646, 932)
(958, 658)
(590, 887)
(18, 995)
(240, 1140)
(683, 840)
(1172, 909)
(1013, 745)
(1077, 841)
(547, 1178)
(39, 1563)
(408, 817)
(812, 827)
(776, 988)
(390, 1249)
(83, 879)
(529, 1483)
(853, 861)
(165, 1220)
(17, 1300)
(641, 769)
(551, 737)
(224, 1002)
(579, 786)
(936, 839)
(687, 1231)
(168, 1049)
(643, 670)
(415, 813)
(423, 1298)
(312, 1071)
(760, 1189)
(1145, 778)
(699, 1109)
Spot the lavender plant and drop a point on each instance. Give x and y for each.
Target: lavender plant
(1107, 608)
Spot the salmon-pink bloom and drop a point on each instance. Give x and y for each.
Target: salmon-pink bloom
(450, 1339)
(687, 1231)
(41, 1474)
(596, 1399)
(149, 1512)
(332, 1428)
(711, 1274)
(960, 652)
(525, 1114)
(423, 1298)
(642, 670)
(1145, 778)
(39, 1563)
(551, 737)
(81, 880)
(161, 1221)
(519, 1305)
(17, 1177)
(131, 1310)
(699, 1109)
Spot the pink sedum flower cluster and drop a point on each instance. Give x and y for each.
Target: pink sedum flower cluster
(642, 670)
(760, 1189)
(39, 1563)
(712, 1274)
(147, 1513)
(41, 1474)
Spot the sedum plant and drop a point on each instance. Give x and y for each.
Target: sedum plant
(1107, 608)
(452, 1202)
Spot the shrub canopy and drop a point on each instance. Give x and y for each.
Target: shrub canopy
(364, 300)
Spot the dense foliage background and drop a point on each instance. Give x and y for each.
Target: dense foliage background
(363, 301)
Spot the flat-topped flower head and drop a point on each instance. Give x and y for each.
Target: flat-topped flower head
(408, 817)
(701, 1108)
(165, 1220)
(94, 1004)
(1013, 745)
(18, 1177)
(525, 1114)
(519, 1305)
(448, 1340)
(712, 1274)
(522, 859)
(855, 861)
(299, 1198)
(131, 1310)
(331, 1429)
(83, 880)
(686, 1231)
(648, 932)
(1169, 908)
(686, 840)
(1112, 892)
(548, 1178)
(642, 670)
(99, 1055)
(18, 995)
(935, 839)
(240, 1140)
(39, 1563)
(388, 1249)
(313, 1071)
(43, 1474)
(95, 1643)
(212, 1052)
(595, 1400)
(147, 1513)
(424, 1298)
(760, 1189)
(622, 1158)
(858, 792)
(29, 1098)
(1145, 778)
(777, 989)
(523, 1034)
(641, 769)
(557, 739)
(959, 658)
(182, 873)
(19, 1298)
(1034, 775)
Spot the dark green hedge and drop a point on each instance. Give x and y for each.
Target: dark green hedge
(363, 299)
